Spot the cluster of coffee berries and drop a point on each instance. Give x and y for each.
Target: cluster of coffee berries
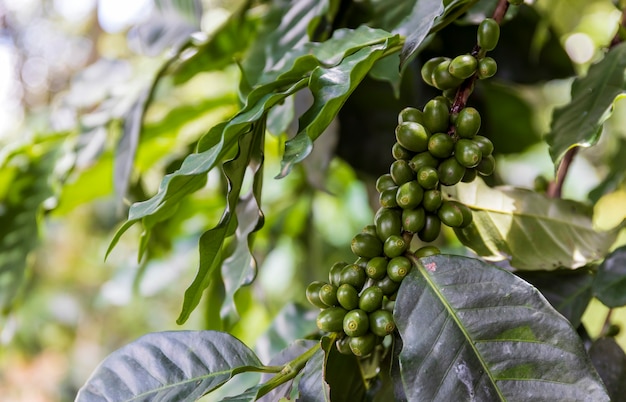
(436, 146)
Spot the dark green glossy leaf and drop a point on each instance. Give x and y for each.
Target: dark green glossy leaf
(568, 291)
(530, 230)
(169, 366)
(579, 122)
(312, 386)
(286, 355)
(486, 335)
(610, 284)
(25, 183)
(344, 376)
(417, 25)
(610, 361)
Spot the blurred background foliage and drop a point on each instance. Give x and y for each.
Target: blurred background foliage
(72, 73)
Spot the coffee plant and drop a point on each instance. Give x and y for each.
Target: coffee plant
(460, 288)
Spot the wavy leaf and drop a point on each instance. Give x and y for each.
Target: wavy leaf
(579, 122)
(417, 25)
(472, 331)
(530, 230)
(610, 282)
(169, 366)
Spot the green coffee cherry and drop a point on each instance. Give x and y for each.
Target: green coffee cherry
(388, 222)
(399, 152)
(432, 200)
(328, 295)
(387, 285)
(353, 275)
(376, 267)
(401, 172)
(369, 229)
(412, 136)
(387, 198)
(441, 145)
(442, 79)
(450, 214)
(431, 229)
(427, 251)
(362, 345)
(450, 172)
(465, 211)
(413, 219)
(398, 268)
(381, 322)
(485, 145)
(463, 66)
(385, 182)
(467, 123)
(436, 116)
(488, 34)
(394, 246)
(486, 166)
(409, 195)
(331, 319)
(429, 67)
(356, 323)
(366, 245)
(487, 67)
(334, 274)
(313, 293)
(423, 159)
(427, 177)
(467, 153)
(371, 299)
(470, 175)
(348, 296)
(410, 114)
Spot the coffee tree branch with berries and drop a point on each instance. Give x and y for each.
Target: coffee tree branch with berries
(461, 287)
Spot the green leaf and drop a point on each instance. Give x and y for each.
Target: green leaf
(530, 230)
(616, 175)
(331, 87)
(212, 241)
(344, 376)
(569, 292)
(169, 366)
(312, 386)
(610, 362)
(579, 122)
(610, 283)
(417, 25)
(25, 183)
(486, 335)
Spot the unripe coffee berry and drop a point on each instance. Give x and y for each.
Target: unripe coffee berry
(376, 268)
(410, 114)
(353, 275)
(381, 322)
(427, 177)
(450, 215)
(487, 67)
(413, 219)
(395, 246)
(432, 200)
(423, 159)
(385, 182)
(429, 67)
(441, 145)
(362, 345)
(366, 245)
(334, 274)
(388, 222)
(467, 123)
(485, 144)
(427, 251)
(486, 166)
(371, 299)
(409, 195)
(401, 172)
(398, 268)
(399, 152)
(412, 136)
(450, 172)
(488, 34)
(348, 296)
(467, 153)
(436, 116)
(313, 293)
(356, 323)
(431, 229)
(328, 294)
(442, 79)
(463, 66)
(331, 319)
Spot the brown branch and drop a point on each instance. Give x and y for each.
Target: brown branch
(555, 187)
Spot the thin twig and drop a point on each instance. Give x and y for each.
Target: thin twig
(555, 187)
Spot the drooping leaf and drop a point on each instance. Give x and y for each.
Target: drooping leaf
(212, 241)
(172, 366)
(530, 230)
(569, 292)
(472, 331)
(312, 386)
(579, 122)
(610, 361)
(344, 376)
(610, 282)
(25, 183)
